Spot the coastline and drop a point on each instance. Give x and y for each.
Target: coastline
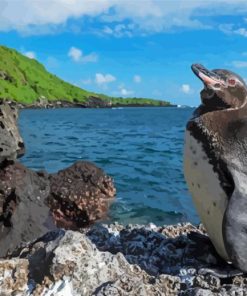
(90, 105)
(73, 254)
(27, 82)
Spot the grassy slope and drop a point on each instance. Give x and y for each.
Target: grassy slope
(25, 80)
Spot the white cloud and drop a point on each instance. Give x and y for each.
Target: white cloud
(77, 55)
(119, 30)
(90, 58)
(125, 92)
(185, 88)
(102, 79)
(231, 29)
(239, 64)
(30, 54)
(108, 30)
(226, 28)
(33, 17)
(26, 14)
(241, 31)
(137, 78)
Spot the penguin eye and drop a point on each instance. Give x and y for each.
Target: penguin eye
(231, 82)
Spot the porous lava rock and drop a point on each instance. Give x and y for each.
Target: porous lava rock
(106, 260)
(32, 203)
(14, 276)
(11, 143)
(80, 195)
(68, 263)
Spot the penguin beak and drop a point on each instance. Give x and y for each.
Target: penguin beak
(209, 78)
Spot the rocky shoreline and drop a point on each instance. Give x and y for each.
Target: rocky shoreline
(52, 244)
(93, 102)
(33, 203)
(119, 260)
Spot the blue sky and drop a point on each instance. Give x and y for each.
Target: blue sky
(141, 48)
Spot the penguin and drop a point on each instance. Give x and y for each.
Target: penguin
(215, 162)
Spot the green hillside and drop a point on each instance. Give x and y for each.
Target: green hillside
(25, 80)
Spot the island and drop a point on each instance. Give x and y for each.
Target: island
(26, 83)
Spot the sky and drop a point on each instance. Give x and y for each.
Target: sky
(130, 48)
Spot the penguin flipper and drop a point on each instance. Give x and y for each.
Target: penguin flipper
(234, 227)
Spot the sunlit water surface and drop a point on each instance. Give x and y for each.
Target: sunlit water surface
(141, 148)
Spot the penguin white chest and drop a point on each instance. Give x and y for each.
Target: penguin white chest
(208, 196)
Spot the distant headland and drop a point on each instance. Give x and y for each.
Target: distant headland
(26, 83)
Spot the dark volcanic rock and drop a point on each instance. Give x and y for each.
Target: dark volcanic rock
(96, 102)
(106, 260)
(11, 143)
(68, 263)
(43, 103)
(23, 213)
(79, 195)
(30, 201)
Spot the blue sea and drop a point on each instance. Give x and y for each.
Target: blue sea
(141, 148)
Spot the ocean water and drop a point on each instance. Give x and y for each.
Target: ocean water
(141, 148)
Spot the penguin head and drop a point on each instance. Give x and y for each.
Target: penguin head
(222, 88)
